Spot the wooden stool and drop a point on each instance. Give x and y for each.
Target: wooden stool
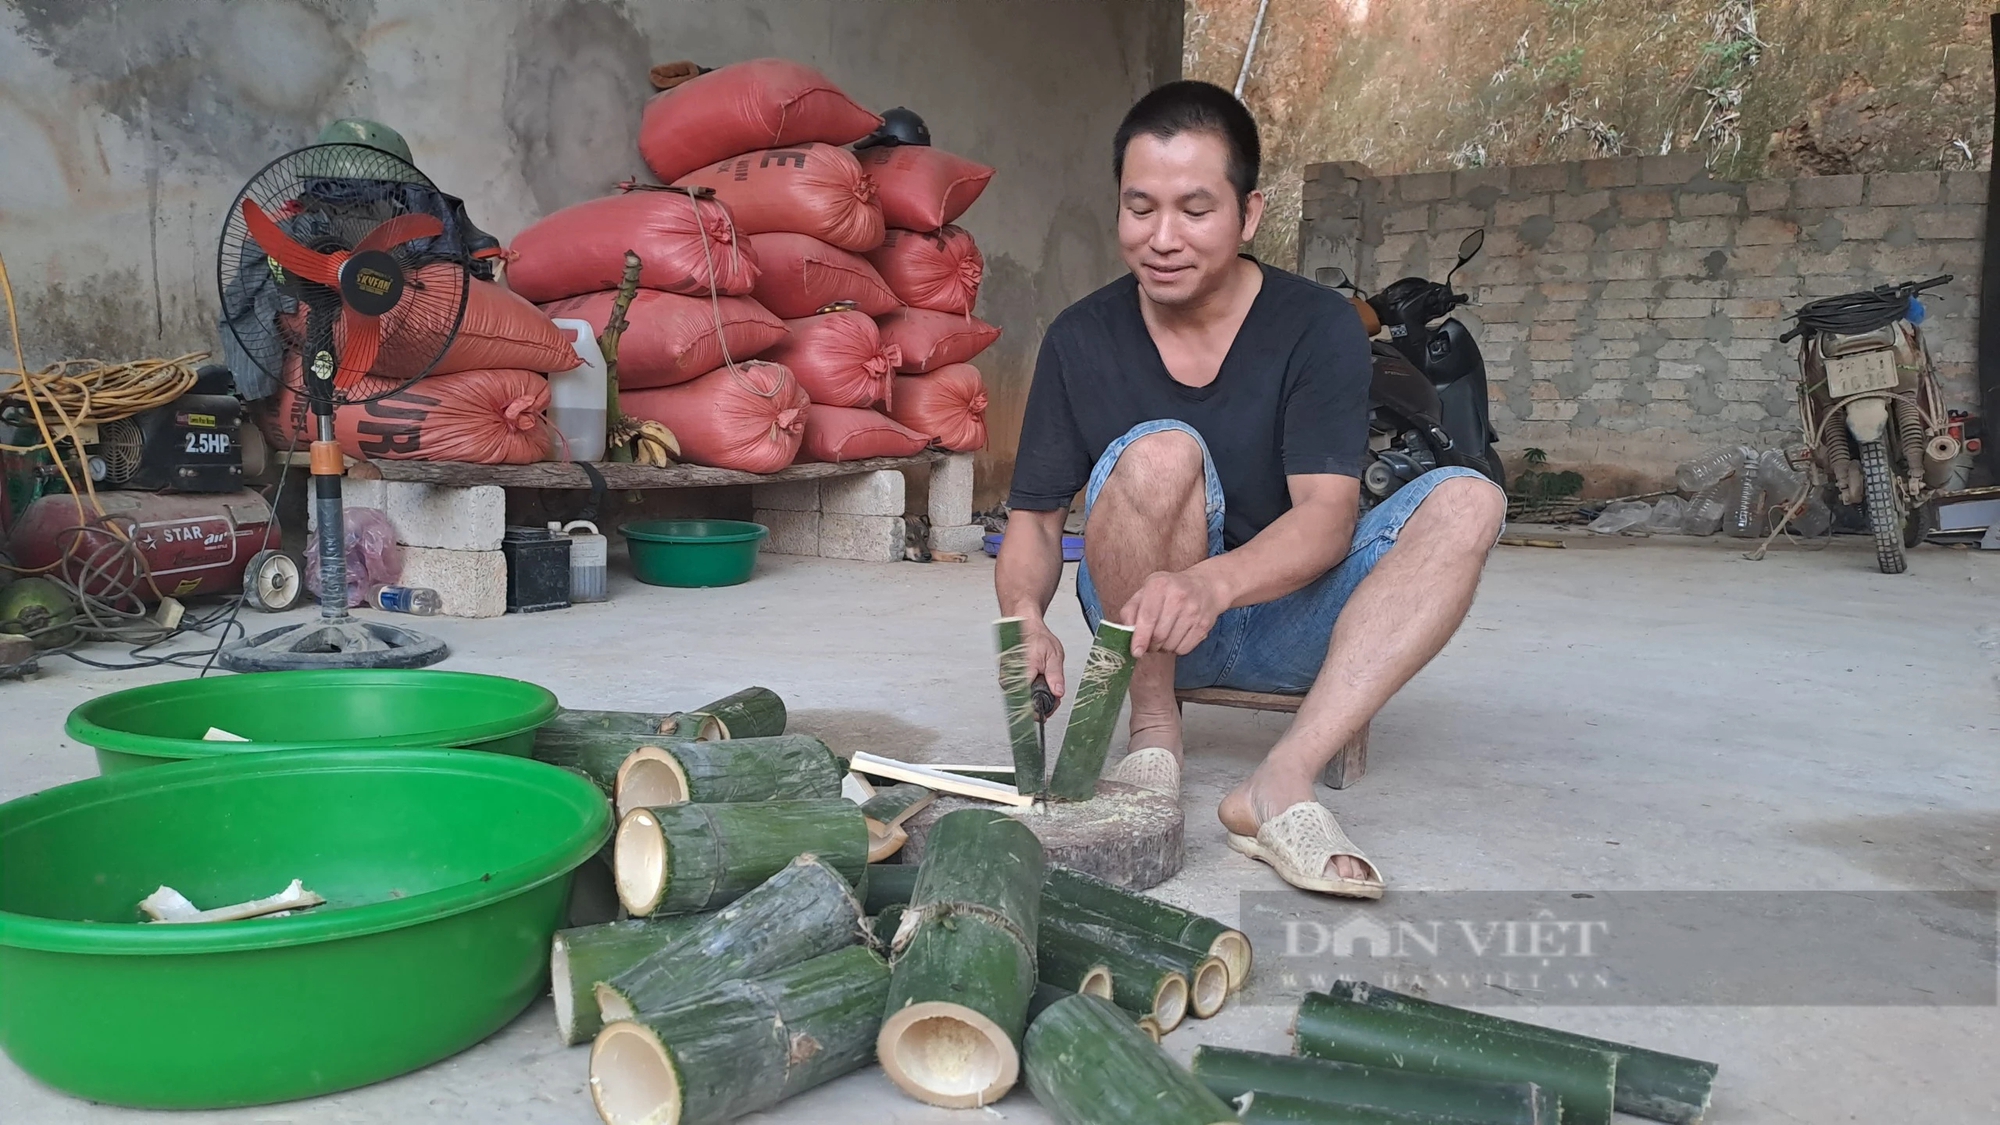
(1346, 767)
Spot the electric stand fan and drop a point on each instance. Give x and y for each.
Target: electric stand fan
(344, 274)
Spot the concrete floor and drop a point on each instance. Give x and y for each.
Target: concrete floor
(1623, 715)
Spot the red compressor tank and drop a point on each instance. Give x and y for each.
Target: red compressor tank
(192, 543)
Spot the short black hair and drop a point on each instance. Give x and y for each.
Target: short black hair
(1188, 106)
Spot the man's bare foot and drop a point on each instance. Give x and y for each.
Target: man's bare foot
(1165, 734)
(1263, 795)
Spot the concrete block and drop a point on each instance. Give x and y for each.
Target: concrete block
(879, 493)
(1579, 208)
(1678, 168)
(1700, 232)
(1420, 186)
(1651, 203)
(792, 533)
(456, 519)
(951, 491)
(1468, 180)
(1827, 191)
(1768, 195)
(1405, 219)
(1948, 222)
(1894, 189)
(469, 583)
(969, 539)
(786, 496)
(1513, 212)
(1965, 187)
(1637, 236)
(1695, 204)
(1620, 171)
(1458, 217)
(1763, 230)
(1530, 179)
(865, 538)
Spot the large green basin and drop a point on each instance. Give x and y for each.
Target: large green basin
(145, 726)
(445, 873)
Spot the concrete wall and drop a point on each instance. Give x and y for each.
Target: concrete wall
(126, 126)
(1630, 309)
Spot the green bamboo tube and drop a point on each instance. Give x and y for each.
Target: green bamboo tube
(1207, 974)
(1650, 1084)
(885, 924)
(1342, 1030)
(744, 1047)
(963, 962)
(1089, 1064)
(682, 859)
(596, 743)
(1144, 978)
(1259, 1108)
(1232, 1073)
(1046, 994)
(786, 767)
(885, 813)
(1017, 688)
(581, 956)
(1100, 694)
(754, 712)
(804, 910)
(888, 884)
(1135, 911)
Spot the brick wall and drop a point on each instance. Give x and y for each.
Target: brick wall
(1629, 309)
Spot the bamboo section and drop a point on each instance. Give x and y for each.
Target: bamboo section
(1143, 979)
(1349, 1032)
(744, 1047)
(779, 767)
(885, 924)
(1088, 1064)
(803, 911)
(584, 955)
(682, 859)
(1024, 733)
(596, 743)
(1232, 1073)
(963, 965)
(1100, 694)
(754, 712)
(885, 813)
(1135, 911)
(889, 884)
(1258, 1108)
(1207, 975)
(1651, 1084)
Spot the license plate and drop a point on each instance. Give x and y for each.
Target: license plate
(1862, 372)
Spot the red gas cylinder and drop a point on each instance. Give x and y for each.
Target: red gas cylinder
(191, 543)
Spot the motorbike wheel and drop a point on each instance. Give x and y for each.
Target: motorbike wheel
(1885, 508)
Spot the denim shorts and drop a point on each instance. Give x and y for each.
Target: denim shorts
(1275, 646)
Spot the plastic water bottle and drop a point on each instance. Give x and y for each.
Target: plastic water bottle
(577, 398)
(1710, 467)
(420, 600)
(1705, 510)
(589, 557)
(1745, 521)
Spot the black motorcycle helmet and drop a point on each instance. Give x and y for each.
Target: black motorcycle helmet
(900, 126)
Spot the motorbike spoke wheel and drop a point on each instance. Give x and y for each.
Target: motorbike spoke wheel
(1885, 506)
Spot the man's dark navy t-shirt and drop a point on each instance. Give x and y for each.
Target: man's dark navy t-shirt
(1291, 398)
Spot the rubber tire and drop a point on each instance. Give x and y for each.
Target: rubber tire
(253, 595)
(1885, 509)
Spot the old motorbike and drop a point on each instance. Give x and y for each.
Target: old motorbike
(1873, 416)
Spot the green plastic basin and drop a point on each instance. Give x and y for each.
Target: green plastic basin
(145, 726)
(445, 874)
(693, 552)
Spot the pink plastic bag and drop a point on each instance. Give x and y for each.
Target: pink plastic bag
(373, 556)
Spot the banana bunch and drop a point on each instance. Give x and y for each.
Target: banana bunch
(654, 444)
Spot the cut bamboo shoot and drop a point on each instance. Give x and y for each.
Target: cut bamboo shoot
(785, 767)
(754, 712)
(887, 884)
(1232, 1073)
(1088, 1064)
(683, 859)
(886, 811)
(1345, 1031)
(1024, 733)
(1651, 1084)
(1207, 975)
(596, 743)
(929, 778)
(1100, 694)
(1145, 978)
(803, 911)
(744, 1047)
(582, 956)
(1258, 1108)
(963, 963)
(1135, 911)
(1149, 1025)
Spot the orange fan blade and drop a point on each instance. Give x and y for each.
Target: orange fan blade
(296, 259)
(361, 339)
(401, 229)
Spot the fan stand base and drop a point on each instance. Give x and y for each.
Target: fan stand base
(345, 642)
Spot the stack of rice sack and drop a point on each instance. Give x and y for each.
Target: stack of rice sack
(485, 401)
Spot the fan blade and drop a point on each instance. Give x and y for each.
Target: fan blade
(273, 241)
(361, 339)
(401, 229)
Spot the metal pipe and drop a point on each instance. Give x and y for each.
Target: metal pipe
(1250, 48)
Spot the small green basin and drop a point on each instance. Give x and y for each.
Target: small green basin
(693, 552)
(145, 726)
(445, 873)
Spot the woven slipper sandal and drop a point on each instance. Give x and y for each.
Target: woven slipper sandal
(1151, 768)
(1300, 842)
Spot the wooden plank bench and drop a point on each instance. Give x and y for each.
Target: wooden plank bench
(621, 475)
(1347, 766)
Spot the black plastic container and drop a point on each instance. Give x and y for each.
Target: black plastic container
(537, 569)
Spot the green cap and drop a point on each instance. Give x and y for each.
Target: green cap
(361, 131)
